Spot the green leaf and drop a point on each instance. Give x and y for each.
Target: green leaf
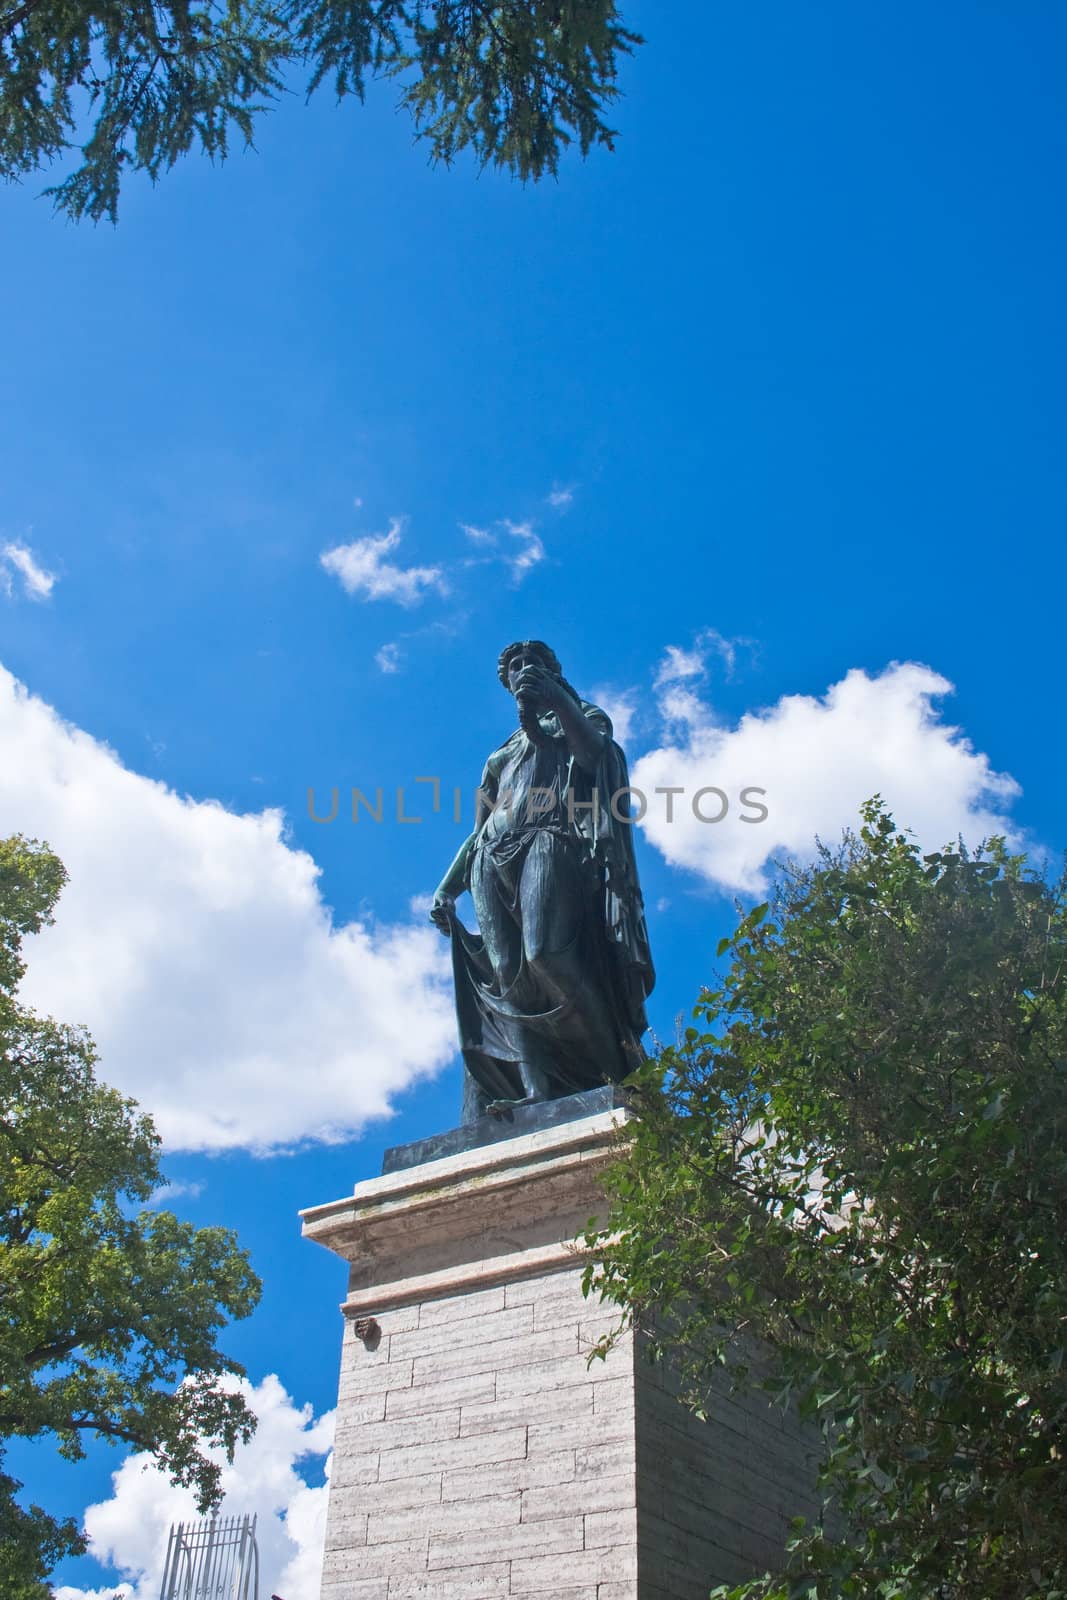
(852, 1185)
(110, 1314)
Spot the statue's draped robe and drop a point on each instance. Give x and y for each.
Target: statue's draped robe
(552, 857)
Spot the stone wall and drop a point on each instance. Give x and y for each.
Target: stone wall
(714, 1498)
(479, 1454)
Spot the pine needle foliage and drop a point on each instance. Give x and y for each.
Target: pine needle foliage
(108, 1320)
(136, 84)
(858, 1160)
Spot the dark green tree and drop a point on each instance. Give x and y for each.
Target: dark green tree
(138, 83)
(859, 1159)
(108, 1321)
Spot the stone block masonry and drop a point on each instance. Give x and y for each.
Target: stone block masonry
(499, 1462)
(479, 1452)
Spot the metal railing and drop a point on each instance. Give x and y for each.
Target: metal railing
(216, 1559)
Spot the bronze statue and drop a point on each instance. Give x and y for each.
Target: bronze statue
(550, 992)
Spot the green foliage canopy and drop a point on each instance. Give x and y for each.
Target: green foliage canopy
(860, 1160)
(515, 81)
(108, 1322)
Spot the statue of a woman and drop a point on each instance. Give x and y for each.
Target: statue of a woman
(550, 992)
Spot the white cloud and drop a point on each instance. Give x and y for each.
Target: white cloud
(682, 708)
(37, 583)
(195, 945)
(388, 657)
(621, 707)
(109, 1592)
(561, 498)
(167, 1193)
(519, 563)
(531, 553)
(678, 702)
(817, 759)
(725, 649)
(362, 569)
(478, 535)
(113, 1591)
(129, 1531)
(680, 665)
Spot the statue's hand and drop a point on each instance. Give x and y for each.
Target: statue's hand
(540, 686)
(443, 911)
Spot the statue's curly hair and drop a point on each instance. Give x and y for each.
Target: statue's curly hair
(548, 656)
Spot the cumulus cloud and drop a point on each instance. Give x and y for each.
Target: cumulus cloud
(195, 945)
(363, 569)
(817, 759)
(37, 583)
(128, 1531)
(561, 498)
(388, 657)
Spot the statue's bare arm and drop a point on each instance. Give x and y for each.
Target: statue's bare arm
(455, 879)
(451, 885)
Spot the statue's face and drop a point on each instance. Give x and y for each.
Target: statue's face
(522, 659)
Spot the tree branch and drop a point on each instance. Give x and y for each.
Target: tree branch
(24, 11)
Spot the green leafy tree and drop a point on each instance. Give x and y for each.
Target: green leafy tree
(859, 1159)
(108, 1321)
(139, 83)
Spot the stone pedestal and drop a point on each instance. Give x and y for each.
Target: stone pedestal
(478, 1453)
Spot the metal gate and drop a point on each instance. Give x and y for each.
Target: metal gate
(216, 1559)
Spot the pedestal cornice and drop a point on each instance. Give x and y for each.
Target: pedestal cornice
(467, 1221)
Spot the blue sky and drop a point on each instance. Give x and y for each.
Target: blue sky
(766, 402)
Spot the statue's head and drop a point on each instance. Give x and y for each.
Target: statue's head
(527, 647)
